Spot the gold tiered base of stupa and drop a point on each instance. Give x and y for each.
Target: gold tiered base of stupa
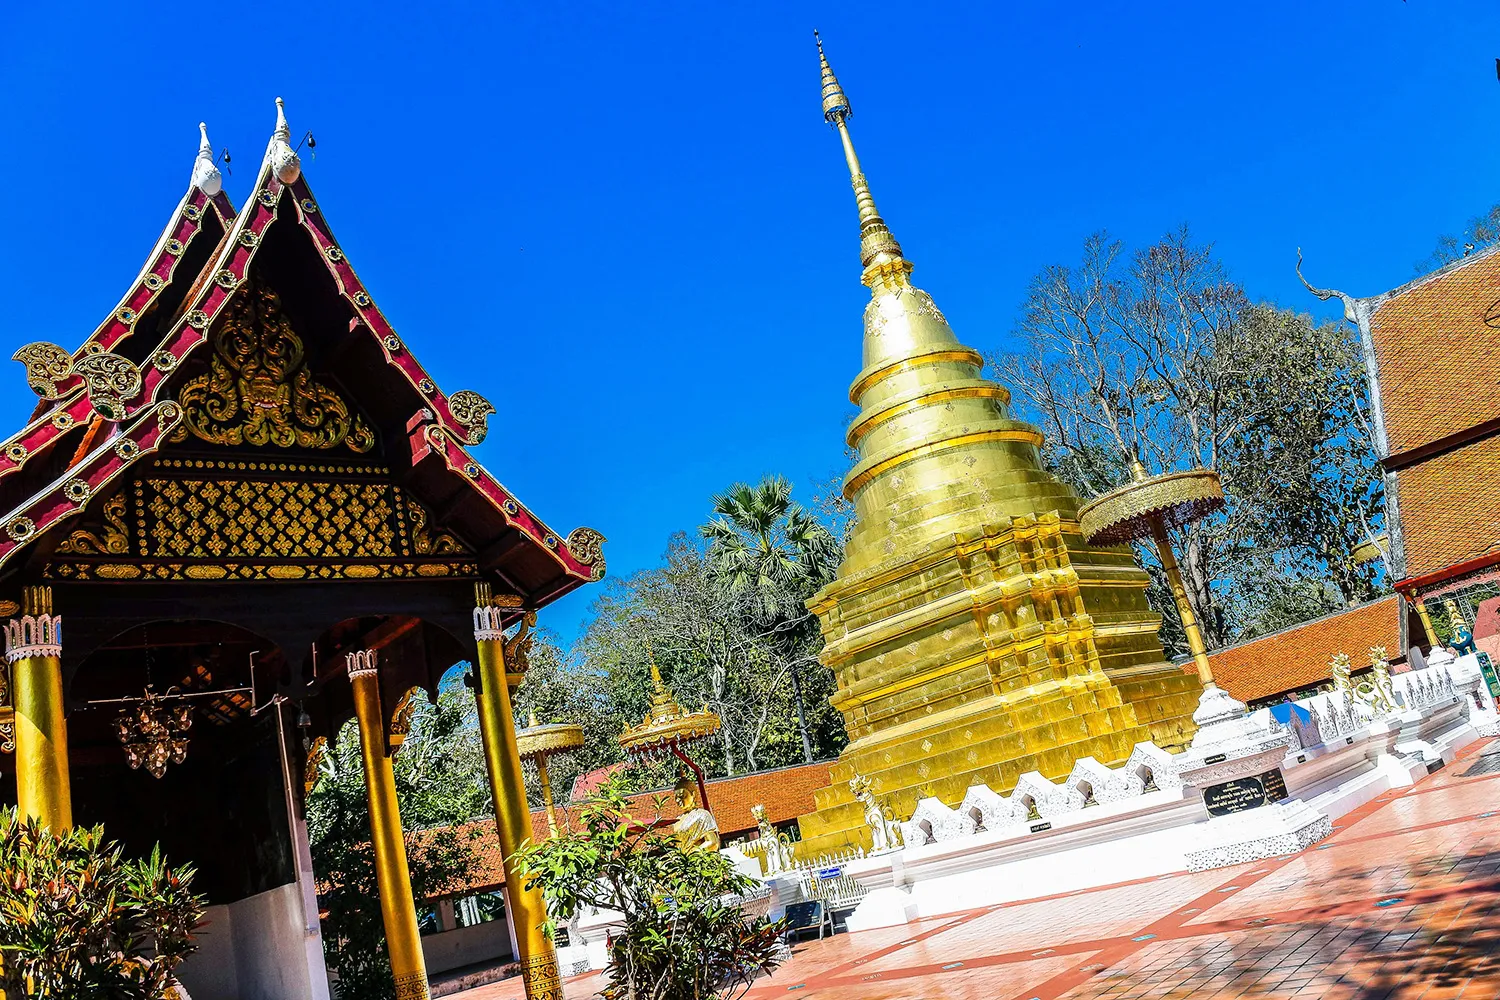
(972, 663)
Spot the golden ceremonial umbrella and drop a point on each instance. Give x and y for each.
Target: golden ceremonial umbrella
(667, 729)
(538, 742)
(1148, 507)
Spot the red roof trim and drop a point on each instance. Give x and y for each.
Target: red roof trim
(311, 218)
(1412, 584)
(65, 497)
(198, 315)
(72, 406)
(429, 438)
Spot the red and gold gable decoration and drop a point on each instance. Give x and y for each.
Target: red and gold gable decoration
(204, 444)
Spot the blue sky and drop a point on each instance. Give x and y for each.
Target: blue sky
(628, 226)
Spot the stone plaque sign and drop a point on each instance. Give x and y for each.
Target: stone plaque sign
(1487, 668)
(1274, 784)
(1039, 827)
(1217, 758)
(1234, 796)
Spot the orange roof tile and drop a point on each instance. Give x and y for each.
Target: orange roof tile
(1450, 506)
(1420, 333)
(1298, 657)
(786, 793)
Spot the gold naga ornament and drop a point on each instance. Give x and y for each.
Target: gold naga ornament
(110, 380)
(258, 390)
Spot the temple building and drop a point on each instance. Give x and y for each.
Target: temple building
(1438, 439)
(261, 518)
(975, 636)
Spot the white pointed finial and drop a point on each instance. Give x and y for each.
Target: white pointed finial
(283, 157)
(206, 176)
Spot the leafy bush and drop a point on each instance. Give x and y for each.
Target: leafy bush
(685, 936)
(79, 921)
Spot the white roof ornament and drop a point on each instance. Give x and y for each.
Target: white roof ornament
(282, 156)
(206, 176)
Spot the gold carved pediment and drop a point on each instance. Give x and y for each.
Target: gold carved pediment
(258, 390)
(216, 519)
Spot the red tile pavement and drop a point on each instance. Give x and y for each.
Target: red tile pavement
(1402, 902)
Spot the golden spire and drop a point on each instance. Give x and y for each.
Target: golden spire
(878, 250)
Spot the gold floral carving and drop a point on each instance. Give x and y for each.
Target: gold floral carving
(111, 380)
(46, 364)
(113, 539)
(473, 411)
(401, 719)
(587, 546)
(425, 542)
(258, 390)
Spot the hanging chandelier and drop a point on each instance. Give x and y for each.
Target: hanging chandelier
(153, 732)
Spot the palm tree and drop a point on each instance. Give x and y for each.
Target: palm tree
(765, 547)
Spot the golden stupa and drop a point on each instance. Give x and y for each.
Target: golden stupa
(974, 634)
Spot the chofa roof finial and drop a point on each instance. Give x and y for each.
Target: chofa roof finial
(206, 176)
(282, 156)
(1328, 293)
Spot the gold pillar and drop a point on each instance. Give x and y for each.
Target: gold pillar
(1184, 606)
(497, 726)
(1432, 636)
(403, 941)
(33, 648)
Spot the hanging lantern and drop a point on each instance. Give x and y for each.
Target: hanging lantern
(152, 733)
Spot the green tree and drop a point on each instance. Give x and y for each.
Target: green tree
(1478, 233)
(1158, 355)
(685, 936)
(764, 547)
(440, 784)
(78, 920)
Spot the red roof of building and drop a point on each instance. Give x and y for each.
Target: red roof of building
(1297, 657)
(1420, 331)
(786, 793)
(1450, 506)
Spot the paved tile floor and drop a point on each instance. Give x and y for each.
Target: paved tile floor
(1402, 901)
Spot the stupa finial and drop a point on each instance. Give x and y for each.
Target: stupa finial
(206, 176)
(531, 718)
(878, 250)
(283, 158)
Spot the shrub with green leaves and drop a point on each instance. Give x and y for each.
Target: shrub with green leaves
(685, 935)
(79, 920)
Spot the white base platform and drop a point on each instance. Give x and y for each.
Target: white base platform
(1158, 833)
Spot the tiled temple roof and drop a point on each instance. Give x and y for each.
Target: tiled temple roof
(785, 792)
(1297, 658)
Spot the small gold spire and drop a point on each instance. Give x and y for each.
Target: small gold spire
(531, 718)
(878, 250)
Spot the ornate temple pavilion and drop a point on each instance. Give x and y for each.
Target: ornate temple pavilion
(973, 632)
(260, 517)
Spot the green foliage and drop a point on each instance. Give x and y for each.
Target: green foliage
(765, 550)
(1478, 233)
(685, 936)
(1157, 355)
(80, 921)
(440, 784)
